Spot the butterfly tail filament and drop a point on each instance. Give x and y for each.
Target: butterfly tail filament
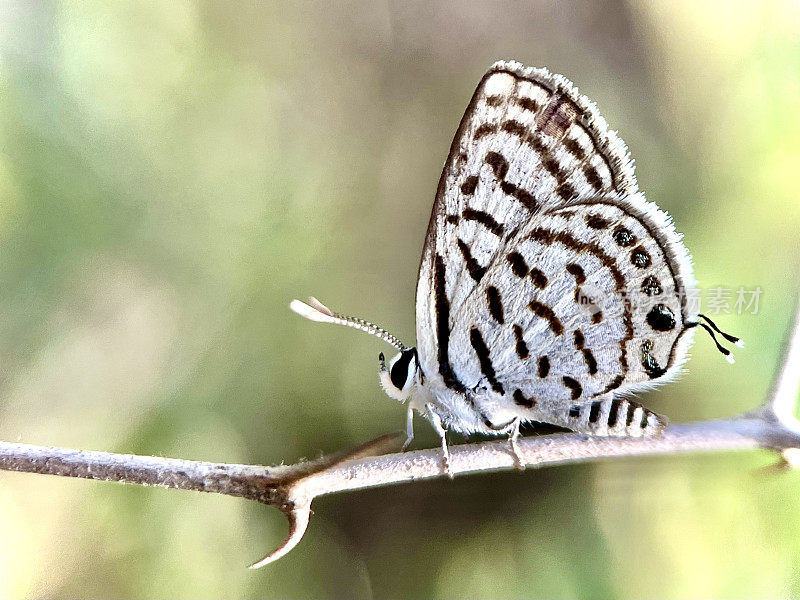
(711, 328)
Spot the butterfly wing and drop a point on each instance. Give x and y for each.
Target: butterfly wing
(530, 150)
(583, 301)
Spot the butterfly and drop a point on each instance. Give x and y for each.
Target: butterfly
(549, 289)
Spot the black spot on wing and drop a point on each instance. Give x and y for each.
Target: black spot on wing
(578, 338)
(495, 100)
(527, 104)
(661, 318)
(516, 128)
(575, 387)
(521, 346)
(495, 303)
(469, 185)
(594, 412)
(597, 222)
(624, 237)
(518, 265)
(498, 164)
(484, 129)
(552, 166)
(577, 272)
(632, 406)
(649, 363)
(640, 258)
(573, 147)
(593, 177)
(615, 383)
(652, 286)
(539, 279)
(521, 400)
(544, 366)
(590, 360)
(588, 356)
(565, 191)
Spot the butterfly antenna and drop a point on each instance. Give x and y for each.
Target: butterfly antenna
(731, 338)
(727, 353)
(317, 311)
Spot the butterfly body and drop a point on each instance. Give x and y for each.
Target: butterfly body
(538, 209)
(549, 288)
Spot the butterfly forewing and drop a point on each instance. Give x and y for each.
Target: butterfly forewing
(522, 235)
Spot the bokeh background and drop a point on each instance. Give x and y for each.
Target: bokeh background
(173, 174)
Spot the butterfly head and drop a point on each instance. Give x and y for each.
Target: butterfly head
(398, 378)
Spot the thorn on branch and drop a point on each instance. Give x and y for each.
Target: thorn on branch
(298, 516)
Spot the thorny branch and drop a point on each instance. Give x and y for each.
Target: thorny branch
(292, 488)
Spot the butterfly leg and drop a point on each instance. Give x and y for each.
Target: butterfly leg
(436, 420)
(612, 417)
(513, 436)
(409, 429)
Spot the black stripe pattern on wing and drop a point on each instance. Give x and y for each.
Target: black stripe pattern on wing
(546, 313)
(555, 116)
(523, 196)
(485, 219)
(549, 163)
(613, 412)
(443, 327)
(499, 166)
(487, 368)
(476, 271)
(566, 239)
(588, 355)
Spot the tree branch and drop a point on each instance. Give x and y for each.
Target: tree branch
(292, 488)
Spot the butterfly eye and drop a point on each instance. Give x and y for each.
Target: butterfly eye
(402, 369)
(398, 378)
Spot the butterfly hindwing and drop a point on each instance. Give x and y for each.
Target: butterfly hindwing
(581, 302)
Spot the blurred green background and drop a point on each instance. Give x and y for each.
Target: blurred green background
(173, 174)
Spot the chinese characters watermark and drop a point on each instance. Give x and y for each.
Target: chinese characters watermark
(719, 300)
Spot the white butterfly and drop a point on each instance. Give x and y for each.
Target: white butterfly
(549, 288)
